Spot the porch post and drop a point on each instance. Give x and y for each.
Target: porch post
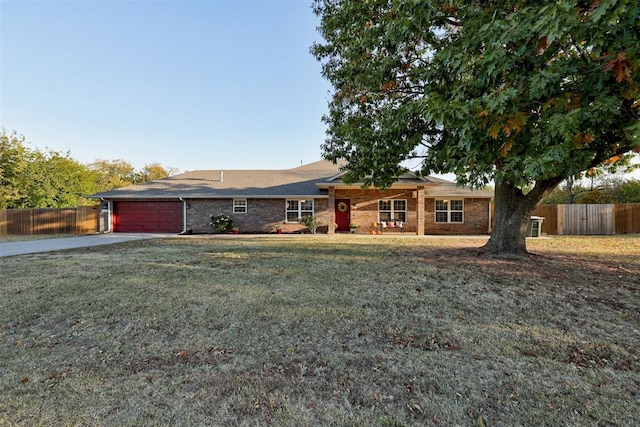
(332, 210)
(420, 211)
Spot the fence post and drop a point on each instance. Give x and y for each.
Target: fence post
(3, 222)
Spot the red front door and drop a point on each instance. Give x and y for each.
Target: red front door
(343, 214)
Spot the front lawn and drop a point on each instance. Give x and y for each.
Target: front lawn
(322, 330)
(23, 237)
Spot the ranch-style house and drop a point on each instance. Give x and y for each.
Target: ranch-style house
(263, 201)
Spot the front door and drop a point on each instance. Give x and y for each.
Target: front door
(343, 214)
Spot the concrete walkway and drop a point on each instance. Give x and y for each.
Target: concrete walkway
(48, 245)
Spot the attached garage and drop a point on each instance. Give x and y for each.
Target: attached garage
(148, 217)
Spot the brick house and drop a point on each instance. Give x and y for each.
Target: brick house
(259, 201)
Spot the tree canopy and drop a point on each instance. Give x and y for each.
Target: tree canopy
(522, 93)
(31, 178)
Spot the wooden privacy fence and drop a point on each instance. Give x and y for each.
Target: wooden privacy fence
(590, 219)
(81, 220)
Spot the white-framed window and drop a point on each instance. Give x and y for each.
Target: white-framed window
(239, 205)
(450, 211)
(392, 210)
(298, 209)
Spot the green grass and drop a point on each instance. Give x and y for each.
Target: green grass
(319, 330)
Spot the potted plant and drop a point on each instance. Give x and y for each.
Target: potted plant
(235, 230)
(353, 227)
(278, 229)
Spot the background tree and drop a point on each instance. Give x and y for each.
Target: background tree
(33, 179)
(628, 192)
(523, 93)
(30, 178)
(574, 189)
(608, 190)
(58, 181)
(113, 173)
(14, 161)
(120, 173)
(153, 171)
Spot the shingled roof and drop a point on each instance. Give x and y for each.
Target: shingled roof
(310, 180)
(297, 182)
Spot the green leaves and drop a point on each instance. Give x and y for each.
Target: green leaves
(35, 179)
(504, 86)
(491, 91)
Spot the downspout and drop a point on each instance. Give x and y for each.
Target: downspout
(109, 223)
(490, 229)
(184, 216)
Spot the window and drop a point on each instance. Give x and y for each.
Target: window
(449, 211)
(239, 205)
(392, 210)
(299, 209)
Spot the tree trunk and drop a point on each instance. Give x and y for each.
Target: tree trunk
(512, 214)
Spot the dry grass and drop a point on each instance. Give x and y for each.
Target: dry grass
(322, 331)
(21, 238)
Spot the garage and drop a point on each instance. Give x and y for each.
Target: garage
(148, 217)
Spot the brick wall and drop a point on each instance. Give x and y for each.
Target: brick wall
(263, 215)
(476, 218)
(364, 206)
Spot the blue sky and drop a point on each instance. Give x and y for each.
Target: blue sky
(191, 84)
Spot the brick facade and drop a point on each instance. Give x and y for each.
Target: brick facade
(364, 211)
(364, 206)
(263, 215)
(476, 218)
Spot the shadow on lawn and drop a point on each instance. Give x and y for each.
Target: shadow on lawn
(624, 271)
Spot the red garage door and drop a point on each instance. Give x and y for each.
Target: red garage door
(147, 217)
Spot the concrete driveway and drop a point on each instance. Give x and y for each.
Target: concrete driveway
(48, 245)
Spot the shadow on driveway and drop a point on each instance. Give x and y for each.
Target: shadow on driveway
(48, 245)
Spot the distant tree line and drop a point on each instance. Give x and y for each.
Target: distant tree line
(602, 184)
(32, 178)
(610, 190)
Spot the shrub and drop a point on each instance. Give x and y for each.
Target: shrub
(310, 222)
(221, 222)
(630, 192)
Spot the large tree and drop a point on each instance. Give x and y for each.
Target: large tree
(521, 93)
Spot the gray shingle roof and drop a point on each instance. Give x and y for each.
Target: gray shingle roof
(310, 180)
(300, 181)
